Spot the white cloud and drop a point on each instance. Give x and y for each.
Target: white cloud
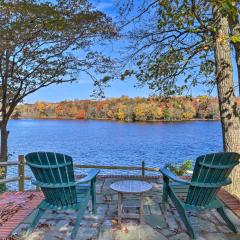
(103, 5)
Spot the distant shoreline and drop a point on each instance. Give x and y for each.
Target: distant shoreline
(113, 120)
(125, 109)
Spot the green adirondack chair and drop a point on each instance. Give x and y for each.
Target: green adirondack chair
(54, 175)
(210, 173)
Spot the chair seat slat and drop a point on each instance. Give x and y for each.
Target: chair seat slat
(53, 185)
(215, 166)
(49, 166)
(211, 185)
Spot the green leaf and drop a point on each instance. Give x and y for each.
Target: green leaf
(235, 39)
(106, 79)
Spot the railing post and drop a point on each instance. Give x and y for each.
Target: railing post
(143, 168)
(21, 173)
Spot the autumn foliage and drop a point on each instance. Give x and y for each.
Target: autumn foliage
(126, 109)
(81, 114)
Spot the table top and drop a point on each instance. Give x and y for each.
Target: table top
(131, 186)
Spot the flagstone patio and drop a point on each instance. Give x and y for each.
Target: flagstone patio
(103, 226)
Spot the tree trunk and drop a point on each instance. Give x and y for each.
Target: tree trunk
(3, 154)
(230, 119)
(235, 31)
(4, 140)
(237, 53)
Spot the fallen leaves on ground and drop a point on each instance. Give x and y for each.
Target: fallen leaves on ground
(121, 228)
(13, 237)
(8, 210)
(31, 196)
(44, 226)
(114, 222)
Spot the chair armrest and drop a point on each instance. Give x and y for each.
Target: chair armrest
(90, 176)
(165, 172)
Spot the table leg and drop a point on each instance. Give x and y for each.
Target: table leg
(141, 209)
(119, 207)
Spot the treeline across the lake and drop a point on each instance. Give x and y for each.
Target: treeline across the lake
(125, 109)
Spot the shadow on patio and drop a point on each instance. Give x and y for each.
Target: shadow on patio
(103, 226)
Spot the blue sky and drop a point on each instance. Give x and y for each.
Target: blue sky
(84, 87)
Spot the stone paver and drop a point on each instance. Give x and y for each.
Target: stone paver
(58, 225)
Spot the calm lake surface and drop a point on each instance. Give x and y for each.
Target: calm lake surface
(116, 143)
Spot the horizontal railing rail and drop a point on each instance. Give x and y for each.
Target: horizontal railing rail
(9, 163)
(143, 168)
(7, 180)
(20, 163)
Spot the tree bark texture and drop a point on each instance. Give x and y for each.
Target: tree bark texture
(230, 119)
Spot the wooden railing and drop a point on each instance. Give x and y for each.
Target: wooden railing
(20, 163)
(142, 168)
(21, 173)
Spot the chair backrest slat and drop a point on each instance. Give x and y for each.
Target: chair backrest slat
(55, 194)
(54, 169)
(211, 169)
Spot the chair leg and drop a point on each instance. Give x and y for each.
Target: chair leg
(226, 218)
(77, 224)
(36, 219)
(93, 195)
(186, 222)
(165, 195)
(182, 212)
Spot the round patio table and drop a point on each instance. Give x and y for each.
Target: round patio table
(130, 187)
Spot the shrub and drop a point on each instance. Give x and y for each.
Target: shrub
(180, 169)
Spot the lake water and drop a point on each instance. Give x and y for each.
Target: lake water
(116, 143)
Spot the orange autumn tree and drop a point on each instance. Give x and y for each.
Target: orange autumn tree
(40, 107)
(81, 114)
